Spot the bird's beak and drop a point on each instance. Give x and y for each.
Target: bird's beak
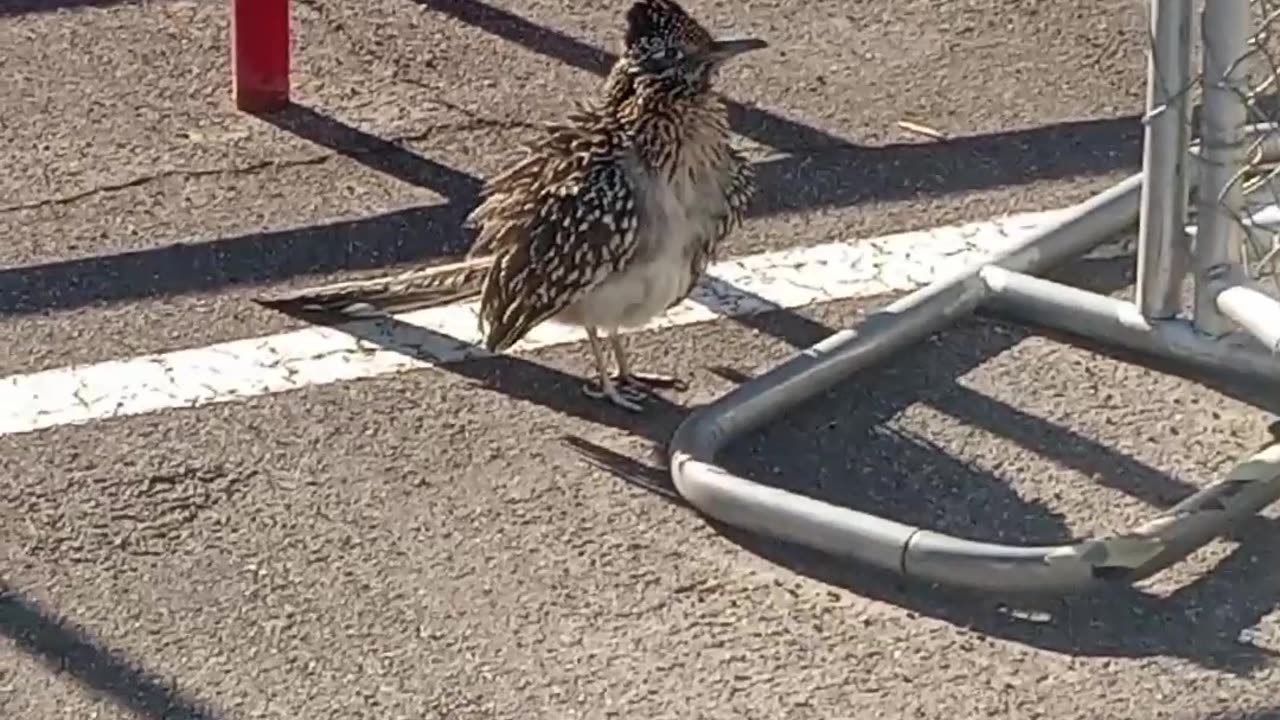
(722, 50)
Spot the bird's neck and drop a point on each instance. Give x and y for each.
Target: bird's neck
(673, 133)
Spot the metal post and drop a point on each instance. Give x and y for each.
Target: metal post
(1163, 245)
(260, 54)
(1220, 236)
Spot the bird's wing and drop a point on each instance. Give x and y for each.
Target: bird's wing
(556, 243)
(739, 191)
(554, 163)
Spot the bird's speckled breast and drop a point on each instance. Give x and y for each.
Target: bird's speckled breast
(681, 201)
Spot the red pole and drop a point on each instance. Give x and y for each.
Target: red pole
(260, 54)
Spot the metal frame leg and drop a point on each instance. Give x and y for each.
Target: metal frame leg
(1220, 234)
(1163, 264)
(1007, 282)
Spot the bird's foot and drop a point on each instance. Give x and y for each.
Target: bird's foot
(646, 382)
(624, 396)
(630, 391)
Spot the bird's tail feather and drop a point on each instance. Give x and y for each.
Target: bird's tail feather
(413, 290)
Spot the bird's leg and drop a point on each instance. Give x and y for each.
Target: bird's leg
(622, 396)
(639, 380)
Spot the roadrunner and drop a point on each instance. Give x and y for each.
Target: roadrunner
(611, 217)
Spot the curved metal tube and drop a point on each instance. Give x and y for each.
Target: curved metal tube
(914, 551)
(1257, 313)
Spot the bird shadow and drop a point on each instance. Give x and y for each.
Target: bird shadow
(844, 447)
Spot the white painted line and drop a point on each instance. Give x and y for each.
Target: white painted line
(243, 369)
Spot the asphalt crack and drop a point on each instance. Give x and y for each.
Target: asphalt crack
(249, 169)
(397, 73)
(393, 144)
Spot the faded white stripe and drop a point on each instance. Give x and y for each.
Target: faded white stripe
(318, 355)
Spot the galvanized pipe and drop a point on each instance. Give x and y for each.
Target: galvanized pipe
(1220, 236)
(1119, 323)
(1255, 312)
(1163, 245)
(862, 536)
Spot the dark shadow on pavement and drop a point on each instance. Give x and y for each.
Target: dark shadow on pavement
(65, 649)
(1201, 623)
(839, 449)
(829, 171)
(23, 7)
(257, 259)
(379, 241)
(1260, 714)
(375, 153)
(762, 126)
(820, 171)
(1241, 388)
(839, 176)
(395, 238)
(522, 379)
(511, 375)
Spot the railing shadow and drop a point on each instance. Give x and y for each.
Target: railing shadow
(1259, 714)
(66, 649)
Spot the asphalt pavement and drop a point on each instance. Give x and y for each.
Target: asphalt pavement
(479, 540)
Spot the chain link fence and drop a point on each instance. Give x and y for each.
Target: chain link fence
(1212, 124)
(1236, 57)
(1260, 174)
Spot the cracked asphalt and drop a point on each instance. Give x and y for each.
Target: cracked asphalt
(480, 541)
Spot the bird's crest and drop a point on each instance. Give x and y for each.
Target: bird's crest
(655, 28)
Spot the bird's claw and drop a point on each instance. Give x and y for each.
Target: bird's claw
(630, 391)
(648, 381)
(624, 396)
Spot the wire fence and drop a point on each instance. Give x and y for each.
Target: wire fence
(1261, 173)
(1241, 57)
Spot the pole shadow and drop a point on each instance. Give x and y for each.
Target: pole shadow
(415, 234)
(825, 170)
(375, 153)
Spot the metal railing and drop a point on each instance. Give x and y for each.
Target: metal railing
(1232, 328)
